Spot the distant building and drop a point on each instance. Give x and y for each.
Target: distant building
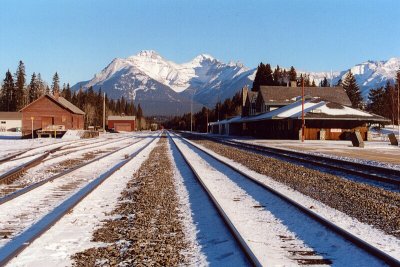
(121, 123)
(273, 97)
(48, 112)
(275, 112)
(10, 121)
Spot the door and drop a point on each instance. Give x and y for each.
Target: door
(46, 121)
(122, 127)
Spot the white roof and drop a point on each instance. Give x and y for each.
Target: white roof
(121, 118)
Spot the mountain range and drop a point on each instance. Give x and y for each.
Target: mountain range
(163, 87)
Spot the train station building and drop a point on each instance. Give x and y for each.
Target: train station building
(275, 112)
(53, 114)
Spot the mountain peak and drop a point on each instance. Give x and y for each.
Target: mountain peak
(203, 57)
(148, 54)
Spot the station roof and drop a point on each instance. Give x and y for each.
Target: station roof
(314, 109)
(60, 101)
(281, 95)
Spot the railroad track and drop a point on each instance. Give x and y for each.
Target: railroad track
(54, 213)
(370, 172)
(30, 187)
(11, 174)
(13, 156)
(298, 217)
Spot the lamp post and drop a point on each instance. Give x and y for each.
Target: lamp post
(32, 118)
(302, 110)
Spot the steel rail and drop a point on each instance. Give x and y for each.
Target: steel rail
(363, 170)
(25, 190)
(243, 244)
(313, 215)
(19, 243)
(25, 166)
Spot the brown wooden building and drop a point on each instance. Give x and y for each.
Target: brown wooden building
(121, 123)
(324, 120)
(273, 97)
(49, 111)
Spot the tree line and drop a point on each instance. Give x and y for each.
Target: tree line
(15, 94)
(222, 110)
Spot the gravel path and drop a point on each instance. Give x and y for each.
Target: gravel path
(368, 204)
(145, 229)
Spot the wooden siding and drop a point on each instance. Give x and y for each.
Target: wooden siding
(45, 112)
(113, 124)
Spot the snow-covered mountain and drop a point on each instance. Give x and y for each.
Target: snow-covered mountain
(167, 88)
(369, 75)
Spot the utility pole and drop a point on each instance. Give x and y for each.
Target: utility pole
(207, 120)
(104, 112)
(191, 114)
(398, 107)
(302, 110)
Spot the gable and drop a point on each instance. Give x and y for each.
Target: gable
(43, 104)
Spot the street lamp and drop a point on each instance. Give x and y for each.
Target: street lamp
(32, 118)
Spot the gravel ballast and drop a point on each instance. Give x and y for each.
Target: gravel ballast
(366, 203)
(145, 229)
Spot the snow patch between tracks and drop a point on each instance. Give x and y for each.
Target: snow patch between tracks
(371, 235)
(73, 233)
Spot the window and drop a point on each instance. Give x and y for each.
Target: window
(3, 122)
(63, 118)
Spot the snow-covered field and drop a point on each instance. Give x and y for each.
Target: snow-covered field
(276, 234)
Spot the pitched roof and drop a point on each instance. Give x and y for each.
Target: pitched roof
(10, 116)
(70, 106)
(62, 102)
(285, 95)
(121, 118)
(316, 108)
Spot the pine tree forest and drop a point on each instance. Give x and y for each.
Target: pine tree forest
(16, 92)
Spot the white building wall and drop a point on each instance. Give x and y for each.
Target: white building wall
(9, 125)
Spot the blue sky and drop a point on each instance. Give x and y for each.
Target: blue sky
(78, 38)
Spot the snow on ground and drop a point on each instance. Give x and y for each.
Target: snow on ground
(265, 242)
(374, 153)
(12, 146)
(39, 173)
(29, 208)
(194, 249)
(73, 232)
(371, 235)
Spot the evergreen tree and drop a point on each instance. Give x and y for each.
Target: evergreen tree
(33, 91)
(41, 85)
(20, 85)
(8, 101)
(390, 100)
(292, 74)
(377, 101)
(313, 84)
(324, 82)
(277, 76)
(68, 93)
(55, 86)
(258, 78)
(267, 77)
(352, 90)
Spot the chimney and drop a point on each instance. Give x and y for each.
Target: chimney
(293, 83)
(56, 95)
